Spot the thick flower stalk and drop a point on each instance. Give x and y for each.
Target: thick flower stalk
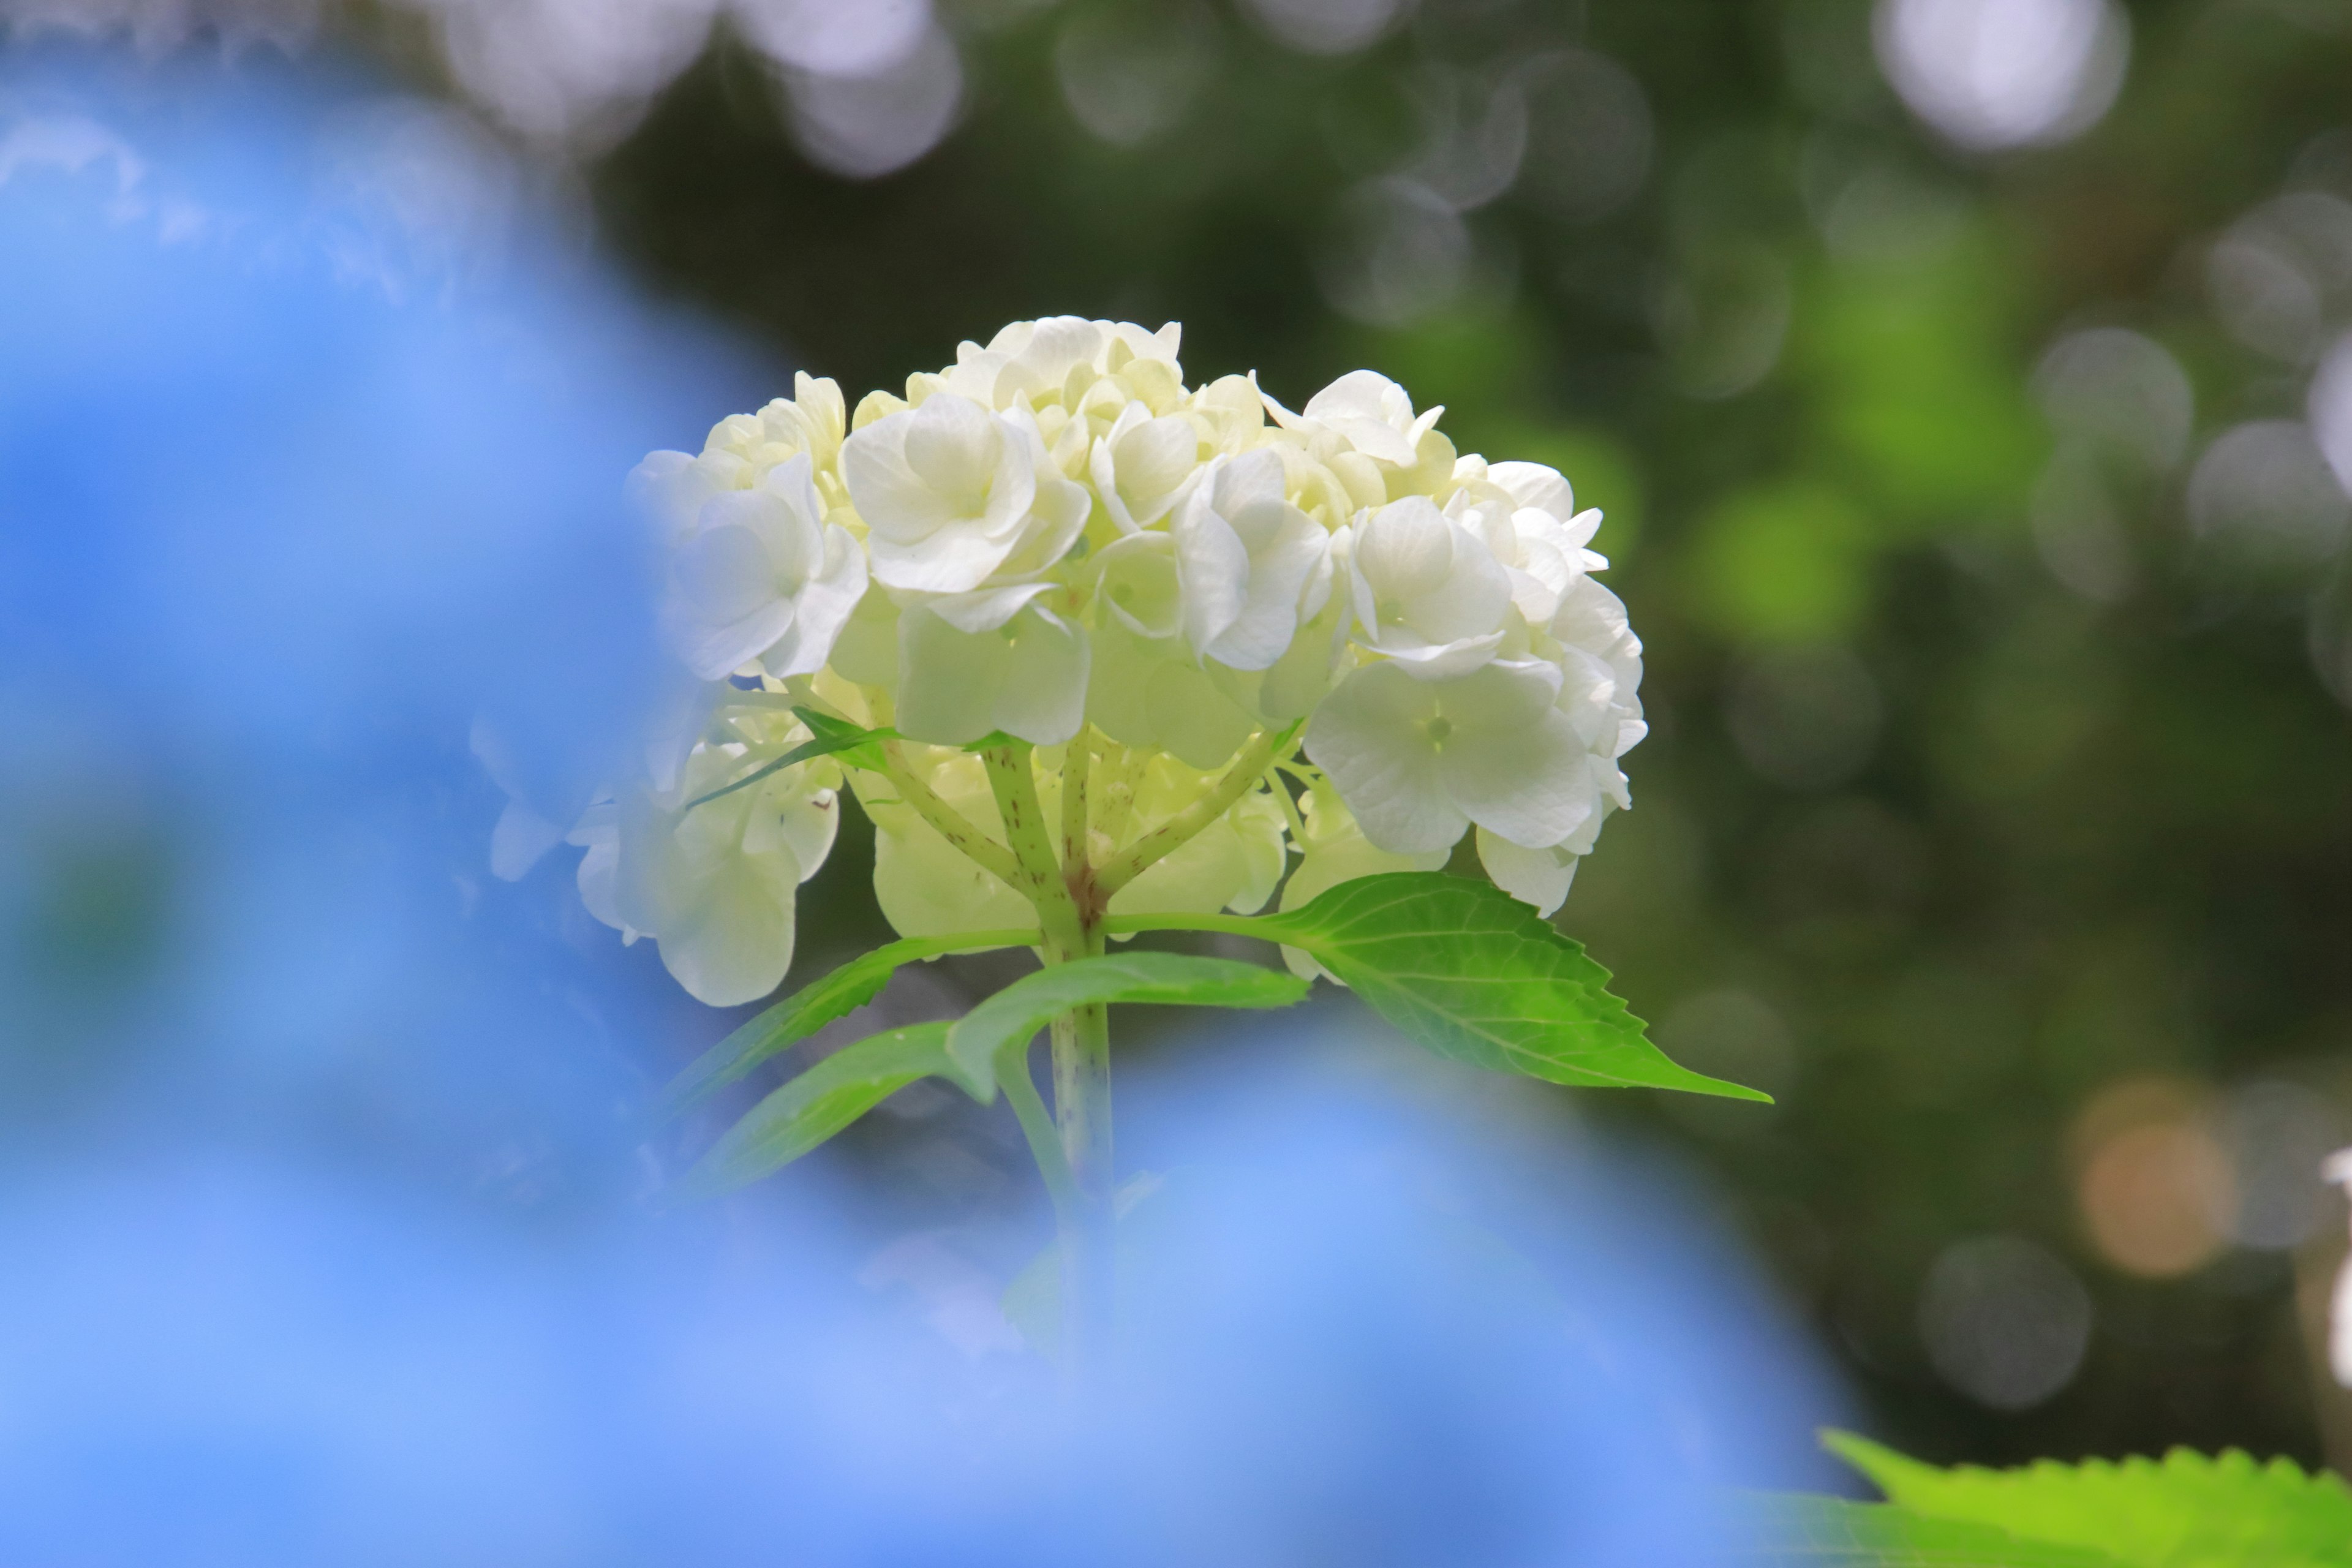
(1093, 644)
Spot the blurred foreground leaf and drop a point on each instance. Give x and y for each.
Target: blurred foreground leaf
(833, 737)
(810, 1008)
(817, 1104)
(2185, 1510)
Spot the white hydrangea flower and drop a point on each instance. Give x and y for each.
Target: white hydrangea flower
(1245, 558)
(950, 491)
(713, 884)
(1146, 688)
(1143, 465)
(1024, 675)
(1368, 410)
(760, 577)
(1525, 513)
(1594, 620)
(1418, 761)
(1537, 877)
(1055, 540)
(1427, 590)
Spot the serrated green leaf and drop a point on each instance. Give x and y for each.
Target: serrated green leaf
(1011, 1016)
(1829, 1532)
(2185, 1510)
(809, 1009)
(817, 1104)
(832, 736)
(1472, 973)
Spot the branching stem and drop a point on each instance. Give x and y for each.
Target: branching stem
(949, 824)
(1263, 751)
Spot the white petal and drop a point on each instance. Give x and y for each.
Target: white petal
(823, 609)
(1511, 762)
(1371, 737)
(984, 609)
(1190, 718)
(1043, 698)
(1538, 485)
(926, 887)
(1537, 877)
(1213, 566)
(521, 837)
(947, 679)
(1136, 580)
(737, 943)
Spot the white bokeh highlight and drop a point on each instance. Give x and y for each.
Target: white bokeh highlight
(1995, 74)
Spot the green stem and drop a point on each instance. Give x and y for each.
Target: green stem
(1044, 1143)
(1036, 874)
(1076, 768)
(1240, 778)
(1087, 1224)
(949, 824)
(1081, 1063)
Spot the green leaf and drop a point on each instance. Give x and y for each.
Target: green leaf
(809, 1009)
(1827, 1532)
(2185, 1510)
(817, 1104)
(1472, 973)
(1015, 1014)
(832, 735)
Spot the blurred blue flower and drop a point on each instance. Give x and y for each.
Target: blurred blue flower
(323, 1199)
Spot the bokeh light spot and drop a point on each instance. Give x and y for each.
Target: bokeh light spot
(2005, 1322)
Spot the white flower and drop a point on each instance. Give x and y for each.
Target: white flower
(715, 884)
(1246, 558)
(1141, 465)
(671, 488)
(949, 492)
(1525, 514)
(523, 835)
(1594, 620)
(1056, 360)
(1427, 591)
(809, 422)
(761, 577)
(1146, 688)
(1419, 761)
(1053, 539)
(1368, 410)
(1537, 877)
(1026, 674)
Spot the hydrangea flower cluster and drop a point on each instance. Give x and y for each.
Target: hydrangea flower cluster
(1229, 632)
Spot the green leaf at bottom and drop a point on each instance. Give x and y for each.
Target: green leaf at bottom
(1827, 1532)
(2184, 1511)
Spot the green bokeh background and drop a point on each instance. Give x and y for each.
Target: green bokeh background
(1930, 843)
